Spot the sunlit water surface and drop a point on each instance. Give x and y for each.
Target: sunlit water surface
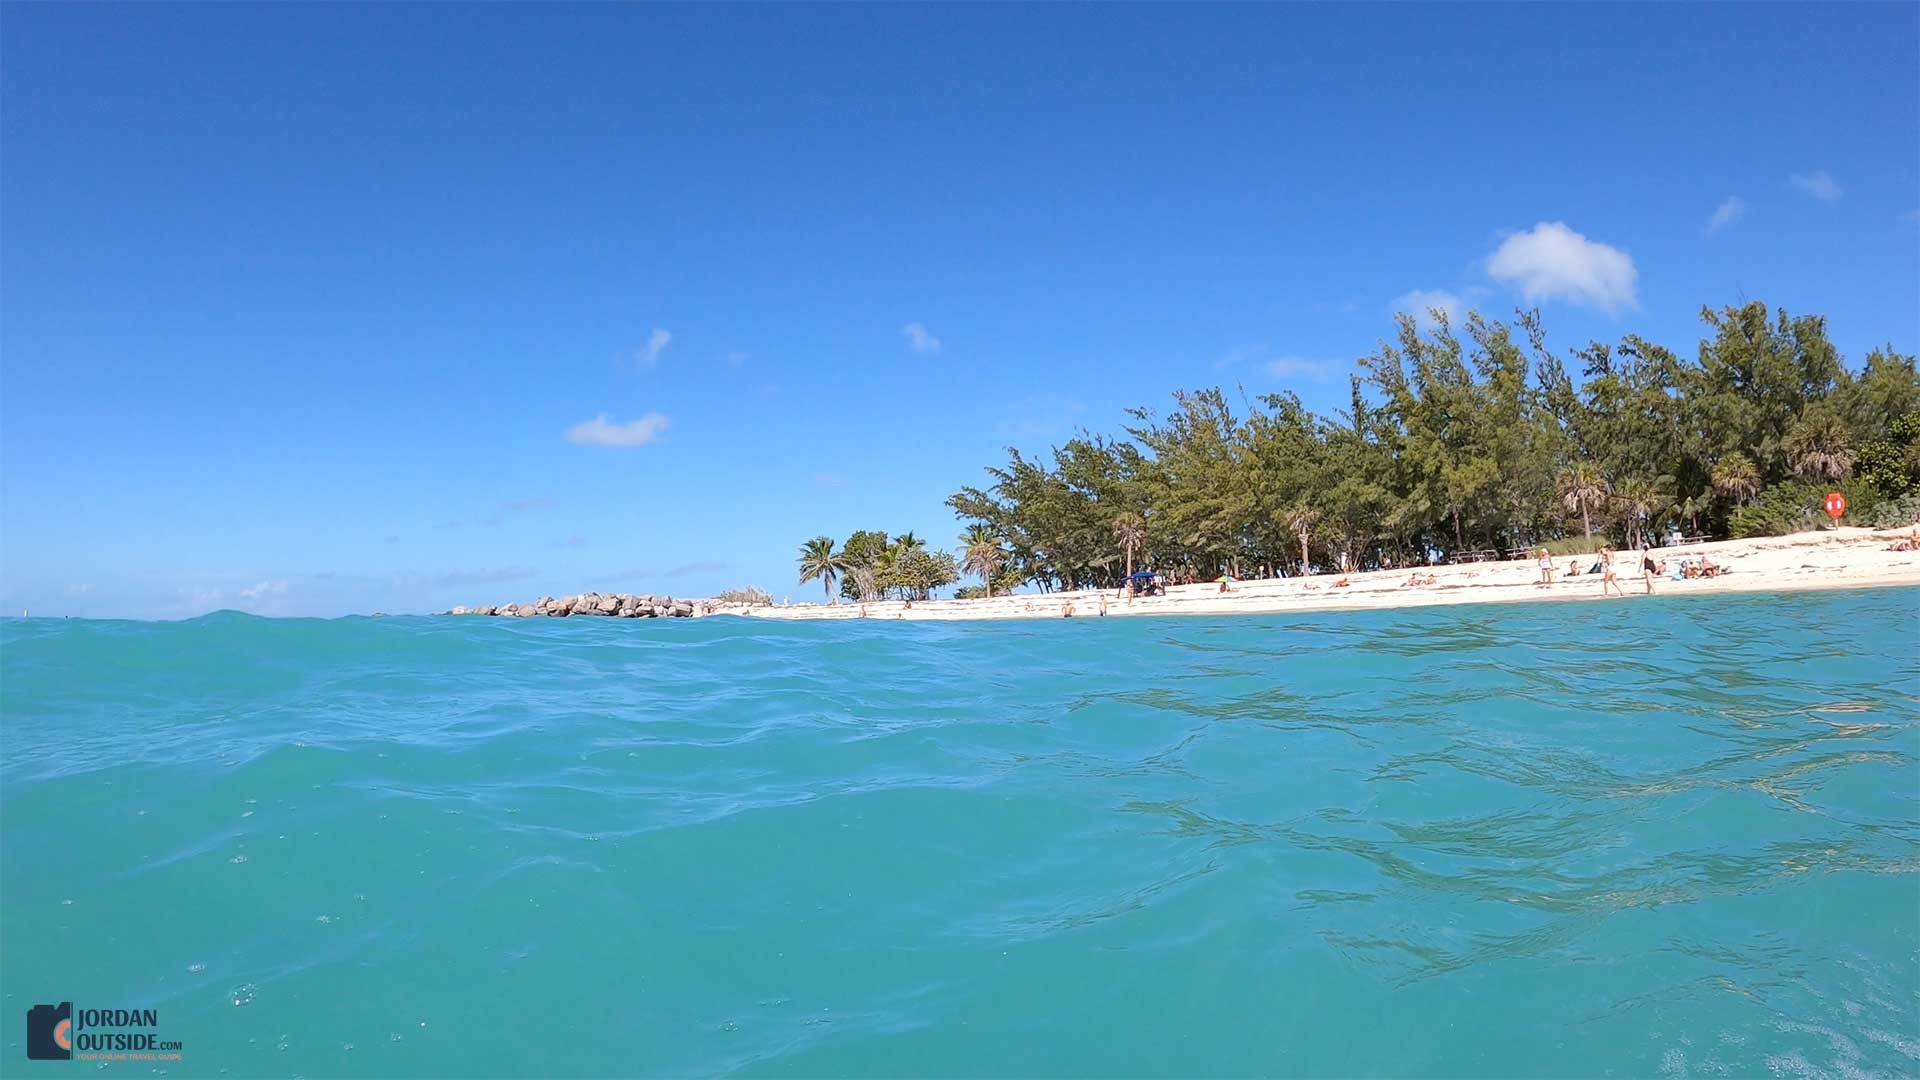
(1641, 837)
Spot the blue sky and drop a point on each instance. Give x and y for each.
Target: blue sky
(318, 309)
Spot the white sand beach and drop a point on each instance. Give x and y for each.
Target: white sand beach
(1847, 558)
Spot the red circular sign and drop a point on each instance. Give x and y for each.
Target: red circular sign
(1836, 505)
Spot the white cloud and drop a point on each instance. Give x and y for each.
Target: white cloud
(1295, 367)
(1911, 217)
(600, 431)
(649, 354)
(736, 358)
(264, 589)
(919, 340)
(1820, 184)
(1552, 262)
(1728, 212)
(1420, 304)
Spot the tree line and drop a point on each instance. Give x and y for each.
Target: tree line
(1473, 439)
(872, 566)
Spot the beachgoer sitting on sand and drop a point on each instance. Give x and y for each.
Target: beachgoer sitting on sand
(1573, 568)
(1342, 583)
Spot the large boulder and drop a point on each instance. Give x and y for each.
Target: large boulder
(683, 609)
(608, 605)
(461, 610)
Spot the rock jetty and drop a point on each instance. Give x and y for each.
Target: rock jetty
(609, 605)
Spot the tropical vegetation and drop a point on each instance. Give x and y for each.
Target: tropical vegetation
(1472, 438)
(872, 566)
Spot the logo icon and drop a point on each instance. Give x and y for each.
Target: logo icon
(50, 1032)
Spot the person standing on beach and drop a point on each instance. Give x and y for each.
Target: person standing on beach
(1606, 572)
(1546, 567)
(1647, 568)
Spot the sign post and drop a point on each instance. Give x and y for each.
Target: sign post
(1836, 505)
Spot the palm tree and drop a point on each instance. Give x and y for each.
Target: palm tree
(1736, 478)
(1691, 506)
(1820, 448)
(1581, 486)
(1301, 520)
(1642, 499)
(819, 560)
(981, 554)
(1129, 531)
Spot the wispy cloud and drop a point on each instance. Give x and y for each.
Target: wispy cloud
(687, 569)
(1911, 217)
(1298, 367)
(737, 357)
(1819, 183)
(600, 431)
(652, 573)
(1041, 417)
(1286, 366)
(1421, 303)
(574, 541)
(649, 354)
(1552, 262)
(1728, 212)
(829, 480)
(919, 339)
(264, 589)
(80, 590)
(450, 578)
(513, 509)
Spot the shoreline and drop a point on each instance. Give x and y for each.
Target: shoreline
(1848, 558)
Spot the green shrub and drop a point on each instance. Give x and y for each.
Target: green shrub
(1573, 545)
(970, 592)
(1892, 465)
(1893, 513)
(1800, 506)
(747, 595)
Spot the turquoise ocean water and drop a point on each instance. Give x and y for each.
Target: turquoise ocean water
(1673, 837)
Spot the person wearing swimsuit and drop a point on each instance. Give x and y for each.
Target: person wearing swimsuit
(1606, 572)
(1647, 568)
